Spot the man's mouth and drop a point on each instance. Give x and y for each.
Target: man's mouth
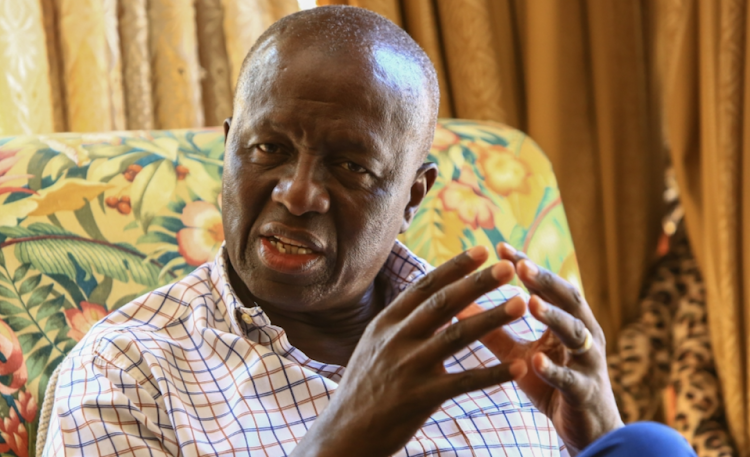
(287, 246)
(290, 256)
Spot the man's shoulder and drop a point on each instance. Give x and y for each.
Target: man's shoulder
(155, 314)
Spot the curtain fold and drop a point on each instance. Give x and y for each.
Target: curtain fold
(87, 58)
(25, 92)
(51, 31)
(244, 22)
(133, 24)
(706, 108)
(217, 90)
(103, 65)
(174, 60)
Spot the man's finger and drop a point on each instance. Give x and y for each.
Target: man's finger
(459, 335)
(447, 273)
(569, 382)
(454, 384)
(570, 330)
(446, 302)
(550, 287)
(502, 341)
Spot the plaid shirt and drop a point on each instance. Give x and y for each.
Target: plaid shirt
(189, 370)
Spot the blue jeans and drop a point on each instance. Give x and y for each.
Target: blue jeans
(640, 439)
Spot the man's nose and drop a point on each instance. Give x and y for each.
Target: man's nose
(301, 190)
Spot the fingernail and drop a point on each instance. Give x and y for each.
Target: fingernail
(509, 248)
(517, 368)
(541, 305)
(477, 252)
(497, 271)
(514, 307)
(544, 361)
(532, 269)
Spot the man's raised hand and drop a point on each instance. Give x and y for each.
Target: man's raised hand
(568, 381)
(395, 379)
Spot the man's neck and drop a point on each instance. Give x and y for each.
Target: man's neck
(330, 336)
(325, 336)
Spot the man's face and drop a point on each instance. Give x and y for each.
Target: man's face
(316, 180)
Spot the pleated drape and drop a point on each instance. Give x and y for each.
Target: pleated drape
(587, 105)
(705, 74)
(25, 92)
(136, 64)
(575, 76)
(244, 21)
(102, 65)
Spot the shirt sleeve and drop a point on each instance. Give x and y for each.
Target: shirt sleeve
(100, 409)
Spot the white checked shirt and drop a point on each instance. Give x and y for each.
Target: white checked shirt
(180, 371)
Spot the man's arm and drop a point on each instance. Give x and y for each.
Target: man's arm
(100, 409)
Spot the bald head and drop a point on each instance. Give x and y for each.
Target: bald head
(353, 34)
(334, 114)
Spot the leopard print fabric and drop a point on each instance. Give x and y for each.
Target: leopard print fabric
(668, 350)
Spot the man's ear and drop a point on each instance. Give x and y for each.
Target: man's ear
(426, 175)
(227, 124)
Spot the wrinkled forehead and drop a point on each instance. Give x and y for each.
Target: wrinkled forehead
(373, 83)
(373, 68)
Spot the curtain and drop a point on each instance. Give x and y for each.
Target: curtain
(575, 76)
(704, 56)
(102, 65)
(25, 94)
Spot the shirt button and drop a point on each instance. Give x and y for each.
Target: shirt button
(247, 318)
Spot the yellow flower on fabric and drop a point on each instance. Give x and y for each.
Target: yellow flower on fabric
(518, 172)
(443, 138)
(463, 197)
(504, 172)
(203, 235)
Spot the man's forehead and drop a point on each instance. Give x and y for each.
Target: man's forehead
(357, 62)
(367, 84)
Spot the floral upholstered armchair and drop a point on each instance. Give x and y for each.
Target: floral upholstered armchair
(88, 222)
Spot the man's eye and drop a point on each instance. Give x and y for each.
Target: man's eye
(268, 148)
(353, 167)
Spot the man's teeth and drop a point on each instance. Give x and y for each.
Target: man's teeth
(286, 248)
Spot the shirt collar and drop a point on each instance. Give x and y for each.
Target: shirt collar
(401, 268)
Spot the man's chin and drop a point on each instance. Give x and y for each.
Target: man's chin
(282, 295)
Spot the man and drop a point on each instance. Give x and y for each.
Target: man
(316, 333)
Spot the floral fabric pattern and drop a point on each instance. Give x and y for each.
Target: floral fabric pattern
(88, 222)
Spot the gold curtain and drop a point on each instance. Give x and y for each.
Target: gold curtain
(25, 93)
(574, 75)
(704, 56)
(101, 65)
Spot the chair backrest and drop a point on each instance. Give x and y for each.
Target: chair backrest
(88, 222)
